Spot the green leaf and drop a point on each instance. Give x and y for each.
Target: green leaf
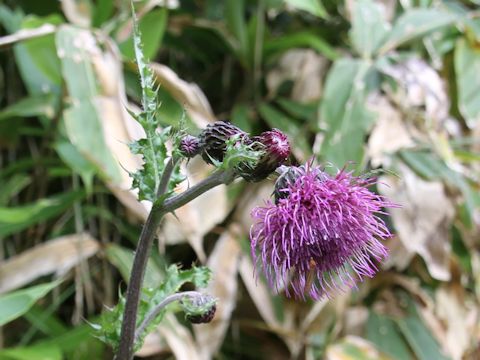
(42, 49)
(300, 39)
(314, 7)
(152, 27)
(83, 121)
(277, 119)
(470, 24)
(467, 68)
(17, 303)
(235, 21)
(13, 186)
(343, 114)
(415, 23)
(77, 343)
(280, 120)
(85, 131)
(15, 219)
(369, 29)
(122, 259)
(306, 112)
(77, 162)
(10, 19)
(30, 106)
(37, 59)
(420, 339)
(35, 352)
(102, 12)
(384, 333)
(240, 117)
(44, 319)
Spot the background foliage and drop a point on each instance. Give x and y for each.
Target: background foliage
(390, 85)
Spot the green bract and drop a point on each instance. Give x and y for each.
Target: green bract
(240, 156)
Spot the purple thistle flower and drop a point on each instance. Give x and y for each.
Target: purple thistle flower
(321, 233)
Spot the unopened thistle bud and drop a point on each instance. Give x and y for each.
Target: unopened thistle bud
(213, 140)
(190, 146)
(204, 318)
(276, 149)
(199, 309)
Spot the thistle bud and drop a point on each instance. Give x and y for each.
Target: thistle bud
(204, 318)
(213, 139)
(190, 146)
(200, 308)
(276, 149)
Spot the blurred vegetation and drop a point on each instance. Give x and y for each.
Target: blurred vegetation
(392, 86)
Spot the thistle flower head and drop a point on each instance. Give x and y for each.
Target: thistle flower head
(190, 146)
(321, 234)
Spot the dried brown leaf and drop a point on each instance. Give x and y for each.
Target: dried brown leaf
(194, 220)
(78, 12)
(153, 344)
(389, 134)
(355, 319)
(423, 221)
(305, 68)
(460, 318)
(188, 94)
(179, 339)
(120, 129)
(421, 88)
(387, 8)
(259, 293)
(26, 34)
(223, 262)
(351, 345)
(54, 256)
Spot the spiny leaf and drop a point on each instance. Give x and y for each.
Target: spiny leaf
(152, 148)
(147, 80)
(108, 330)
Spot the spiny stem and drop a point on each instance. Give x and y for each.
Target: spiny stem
(127, 337)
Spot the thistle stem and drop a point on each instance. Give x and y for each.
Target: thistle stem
(125, 350)
(217, 178)
(127, 337)
(157, 309)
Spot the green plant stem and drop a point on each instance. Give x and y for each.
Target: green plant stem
(217, 178)
(157, 309)
(125, 350)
